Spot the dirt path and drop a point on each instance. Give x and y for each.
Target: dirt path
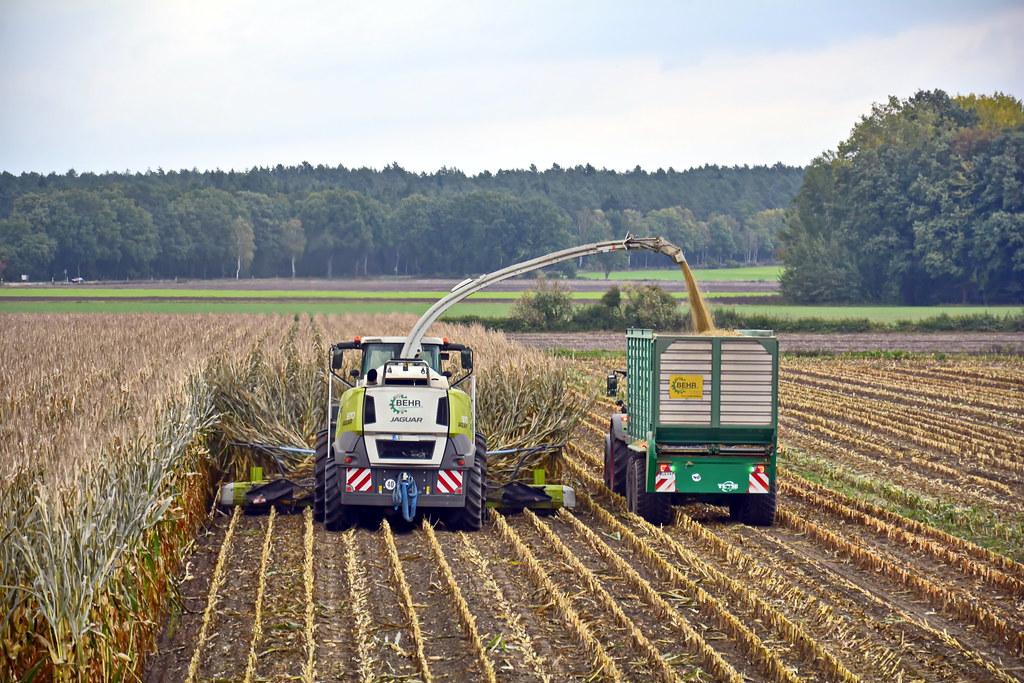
(392, 284)
(937, 342)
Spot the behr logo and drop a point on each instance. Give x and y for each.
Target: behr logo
(400, 404)
(680, 385)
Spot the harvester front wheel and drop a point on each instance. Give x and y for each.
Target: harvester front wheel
(616, 463)
(327, 488)
(656, 508)
(471, 516)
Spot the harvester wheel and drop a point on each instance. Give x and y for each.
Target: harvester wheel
(327, 489)
(322, 450)
(471, 517)
(616, 463)
(656, 508)
(755, 509)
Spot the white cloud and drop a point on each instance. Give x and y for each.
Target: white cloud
(186, 85)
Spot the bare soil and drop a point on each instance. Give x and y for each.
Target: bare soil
(935, 342)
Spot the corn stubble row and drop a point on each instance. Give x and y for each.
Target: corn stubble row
(902, 382)
(766, 658)
(605, 666)
(408, 606)
(110, 447)
(517, 630)
(466, 617)
(859, 419)
(656, 666)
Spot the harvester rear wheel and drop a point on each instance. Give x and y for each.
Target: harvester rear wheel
(656, 508)
(471, 516)
(616, 463)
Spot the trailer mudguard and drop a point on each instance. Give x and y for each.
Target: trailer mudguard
(619, 427)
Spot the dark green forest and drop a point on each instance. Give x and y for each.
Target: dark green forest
(923, 203)
(333, 221)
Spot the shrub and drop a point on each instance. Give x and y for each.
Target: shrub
(548, 306)
(653, 307)
(606, 314)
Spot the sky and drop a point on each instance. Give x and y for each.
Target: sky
(117, 85)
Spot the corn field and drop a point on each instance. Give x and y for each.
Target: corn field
(897, 555)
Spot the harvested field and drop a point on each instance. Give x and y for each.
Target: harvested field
(897, 555)
(848, 586)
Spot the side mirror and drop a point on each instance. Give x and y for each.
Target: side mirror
(613, 384)
(337, 358)
(354, 373)
(467, 359)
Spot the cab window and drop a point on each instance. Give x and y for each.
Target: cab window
(375, 355)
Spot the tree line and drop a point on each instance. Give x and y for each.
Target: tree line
(324, 221)
(923, 203)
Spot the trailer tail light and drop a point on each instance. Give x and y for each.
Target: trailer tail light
(461, 462)
(347, 459)
(664, 467)
(759, 468)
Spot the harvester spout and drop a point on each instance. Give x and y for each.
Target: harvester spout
(412, 346)
(658, 244)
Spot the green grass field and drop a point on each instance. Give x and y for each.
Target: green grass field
(487, 310)
(87, 293)
(752, 273)
(883, 314)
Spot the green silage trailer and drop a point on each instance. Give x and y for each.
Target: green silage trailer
(700, 423)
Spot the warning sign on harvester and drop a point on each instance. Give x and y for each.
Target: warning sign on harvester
(686, 386)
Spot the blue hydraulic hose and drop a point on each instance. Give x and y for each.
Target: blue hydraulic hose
(405, 495)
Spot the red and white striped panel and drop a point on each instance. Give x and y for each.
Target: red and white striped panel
(665, 482)
(758, 482)
(449, 481)
(359, 480)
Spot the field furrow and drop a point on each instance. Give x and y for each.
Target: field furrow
(224, 652)
(337, 601)
(536, 618)
(448, 651)
(392, 646)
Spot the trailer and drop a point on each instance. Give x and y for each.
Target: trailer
(700, 424)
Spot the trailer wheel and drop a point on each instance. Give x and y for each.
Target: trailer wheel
(755, 509)
(616, 463)
(656, 508)
(471, 516)
(327, 490)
